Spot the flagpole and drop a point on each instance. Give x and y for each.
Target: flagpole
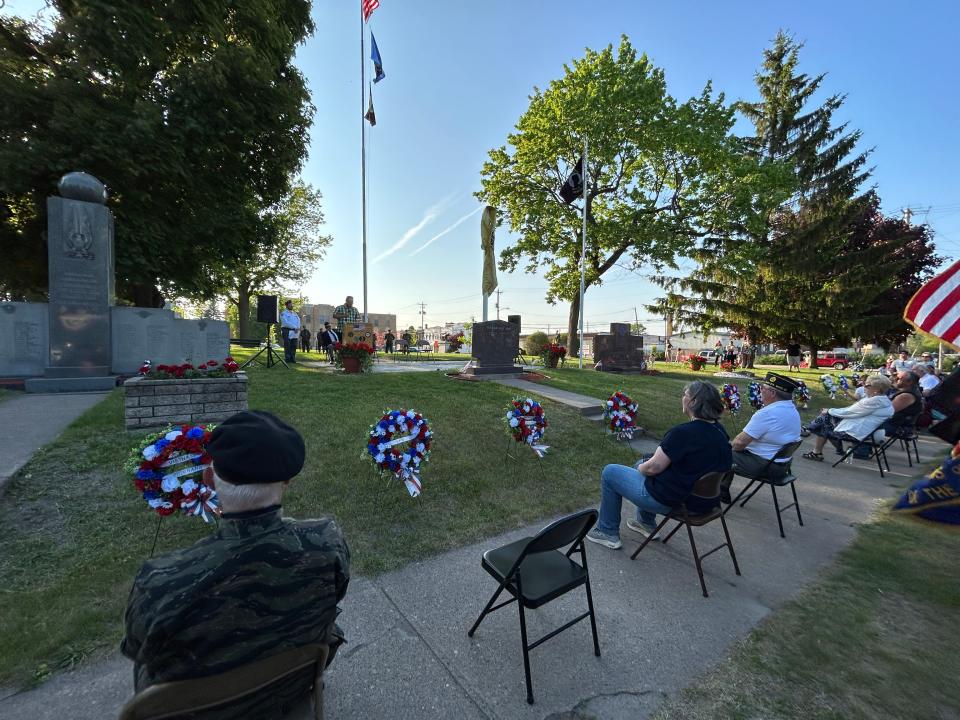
(583, 247)
(363, 163)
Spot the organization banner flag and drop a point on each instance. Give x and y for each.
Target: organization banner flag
(370, 115)
(573, 187)
(377, 62)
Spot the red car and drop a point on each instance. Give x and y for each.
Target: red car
(836, 360)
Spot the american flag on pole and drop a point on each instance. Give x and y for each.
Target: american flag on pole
(367, 7)
(935, 308)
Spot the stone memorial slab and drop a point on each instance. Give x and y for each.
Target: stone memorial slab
(139, 334)
(494, 347)
(217, 338)
(618, 350)
(80, 262)
(24, 339)
(188, 345)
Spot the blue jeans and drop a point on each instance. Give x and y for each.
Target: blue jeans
(618, 482)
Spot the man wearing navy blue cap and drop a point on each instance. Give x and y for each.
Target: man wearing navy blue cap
(261, 585)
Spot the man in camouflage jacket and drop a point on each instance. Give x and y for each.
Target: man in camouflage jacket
(260, 585)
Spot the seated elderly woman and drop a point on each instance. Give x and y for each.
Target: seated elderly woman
(856, 421)
(665, 480)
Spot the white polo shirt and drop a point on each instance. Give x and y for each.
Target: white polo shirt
(772, 427)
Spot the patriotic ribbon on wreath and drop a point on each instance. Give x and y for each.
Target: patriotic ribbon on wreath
(801, 396)
(620, 413)
(527, 423)
(167, 469)
(754, 396)
(398, 428)
(844, 383)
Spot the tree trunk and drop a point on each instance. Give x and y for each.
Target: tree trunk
(243, 316)
(813, 356)
(573, 328)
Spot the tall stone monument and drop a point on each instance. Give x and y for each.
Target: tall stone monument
(80, 340)
(80, 262)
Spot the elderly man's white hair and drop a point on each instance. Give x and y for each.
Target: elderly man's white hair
(249, 496)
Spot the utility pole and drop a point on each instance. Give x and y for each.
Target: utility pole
(423, 310)
(498, 303)
(636, 319)
(907, 214)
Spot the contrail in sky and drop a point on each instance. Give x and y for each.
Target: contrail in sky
(428, 216)
(446, 230)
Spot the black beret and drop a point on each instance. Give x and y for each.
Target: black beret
(255, 447)
(781, 382)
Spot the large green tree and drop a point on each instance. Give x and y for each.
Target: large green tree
(799, 278)
(287, 253)
(192, 114)
(661, 173)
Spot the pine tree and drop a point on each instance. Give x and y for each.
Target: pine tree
(796, 277)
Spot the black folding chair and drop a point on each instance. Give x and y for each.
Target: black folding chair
(707, 487)
(877, 449)
(764, 477)
(535, 571)
(905, 435)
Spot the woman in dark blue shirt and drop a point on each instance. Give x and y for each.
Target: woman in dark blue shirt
(661, 482)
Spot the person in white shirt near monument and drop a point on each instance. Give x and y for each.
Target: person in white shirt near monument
(928, 378)
(289, 331)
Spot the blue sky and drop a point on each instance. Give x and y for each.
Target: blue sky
(458, 78)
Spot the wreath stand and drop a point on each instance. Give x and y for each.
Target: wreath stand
(507, 454)
(385, 480)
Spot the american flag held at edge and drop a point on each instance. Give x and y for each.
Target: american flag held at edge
(367, 7)
(935, 308)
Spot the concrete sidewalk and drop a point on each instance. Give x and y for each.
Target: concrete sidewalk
(409, 655)
(32, 420)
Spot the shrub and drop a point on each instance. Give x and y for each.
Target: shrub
(536, 343)
(949, 363)
(771, 360)
(874, 360)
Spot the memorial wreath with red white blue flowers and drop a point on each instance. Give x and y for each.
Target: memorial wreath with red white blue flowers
(396, 428)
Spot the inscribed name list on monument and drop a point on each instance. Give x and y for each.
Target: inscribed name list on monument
(618, 349)
(80, 261)
(140, 334)
(218, 340)
(23, 339)
(495, 344)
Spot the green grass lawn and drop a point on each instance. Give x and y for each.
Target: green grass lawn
(659, 396)
(875, 638)
(7, 394)
(73, 530)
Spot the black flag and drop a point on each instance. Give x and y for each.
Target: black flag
(573, 187)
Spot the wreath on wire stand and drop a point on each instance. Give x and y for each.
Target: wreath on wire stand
(620, 412)
(527, 423)
(398, 443)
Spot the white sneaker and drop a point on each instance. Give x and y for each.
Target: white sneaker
(645, 530)
(601, 538)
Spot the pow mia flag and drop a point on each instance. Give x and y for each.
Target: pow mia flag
(573, 187)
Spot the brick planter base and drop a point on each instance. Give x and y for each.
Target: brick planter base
(156, 403)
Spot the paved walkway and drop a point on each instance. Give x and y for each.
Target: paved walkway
(31, 420)
(409, 655)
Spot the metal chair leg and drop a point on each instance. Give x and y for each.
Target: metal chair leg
(526, 651)
(649, 537)
(696, 559)
(726, 533)
(776, 506)
(796, 503)
(486, 610)
(593, 619)
(672, 532)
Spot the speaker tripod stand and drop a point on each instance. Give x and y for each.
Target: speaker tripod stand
(273, 357)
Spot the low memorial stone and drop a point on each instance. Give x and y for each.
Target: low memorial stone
(23, 339)
(495, 345)
(619, 350)
(140, 334)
